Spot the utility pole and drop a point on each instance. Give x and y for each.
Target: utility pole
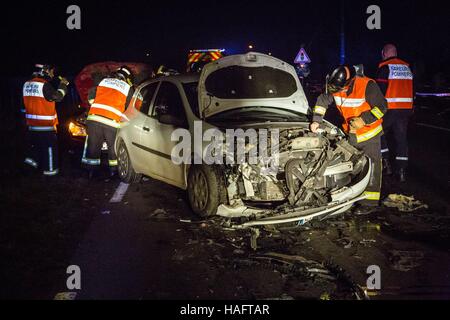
(342, 34)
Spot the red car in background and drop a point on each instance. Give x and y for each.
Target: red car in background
(90, 76)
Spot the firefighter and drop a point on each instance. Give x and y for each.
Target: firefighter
(39, 98)
(395, 80)
(362, 106)
(108, 102)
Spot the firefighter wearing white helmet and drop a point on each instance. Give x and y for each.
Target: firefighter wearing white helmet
(108, 103)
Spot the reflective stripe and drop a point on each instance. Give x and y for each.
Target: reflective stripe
(50, 159)
(384, 150)
(402, 158)
(125, 70)
(369, 135)
(405, 100)
(320, 110)
(31, 162)
(432, 94)
(93, 162)
(62, 92)
(34, 128)
(38, 117)
(377, 113)
(372, 195)
(348, 103)
(103, 120)
(51, 173)
(110, 109)
(113, 163)
(107, 108)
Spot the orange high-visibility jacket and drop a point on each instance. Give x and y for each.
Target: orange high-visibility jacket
(109, 102)
(353, 105)
(399, 94)
(39, 112)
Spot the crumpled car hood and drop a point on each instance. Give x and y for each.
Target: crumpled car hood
(246, 80)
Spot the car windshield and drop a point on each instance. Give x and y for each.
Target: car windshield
(259, 114)
(192, 95)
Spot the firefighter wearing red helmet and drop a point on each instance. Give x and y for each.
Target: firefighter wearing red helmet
(395, 79)
(362, 105)
(39, 99)
(108, 103)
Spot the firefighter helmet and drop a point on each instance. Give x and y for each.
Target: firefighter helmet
(124, 73)
(340, 78)
(45, 70)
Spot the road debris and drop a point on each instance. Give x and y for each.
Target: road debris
(211, 242)
(325, 296)
(284, 296)
(405, 261)
(369, 226)
(254, 237)
(158, 214)
(404, 203)
(368, 242)
(65, 296)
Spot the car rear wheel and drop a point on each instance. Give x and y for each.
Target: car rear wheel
(126, 171)
(206, 189)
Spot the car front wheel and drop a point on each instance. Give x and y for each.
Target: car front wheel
(206, 189)
(126, 171)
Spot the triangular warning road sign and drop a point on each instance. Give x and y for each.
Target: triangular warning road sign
(302, 57)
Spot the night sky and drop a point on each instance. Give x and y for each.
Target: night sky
(127, 30)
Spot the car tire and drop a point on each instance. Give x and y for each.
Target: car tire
(125, 167)
(206, 189)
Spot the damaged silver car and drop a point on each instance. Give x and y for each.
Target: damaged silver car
(318, 175)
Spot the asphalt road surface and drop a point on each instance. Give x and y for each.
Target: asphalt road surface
(149, 245)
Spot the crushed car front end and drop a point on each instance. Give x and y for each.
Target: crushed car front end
(317, 176)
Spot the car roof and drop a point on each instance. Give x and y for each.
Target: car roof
(183, 78)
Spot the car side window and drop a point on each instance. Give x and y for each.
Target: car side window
(144, 98)
(168, 101)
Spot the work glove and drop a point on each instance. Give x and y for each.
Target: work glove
(356, 124)
(314, 126)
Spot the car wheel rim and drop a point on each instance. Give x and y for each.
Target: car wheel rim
(123, 161)
(200, 192)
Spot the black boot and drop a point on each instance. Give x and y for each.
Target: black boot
(387, 167)
(113, 173)
(91, 174)
(402, 175)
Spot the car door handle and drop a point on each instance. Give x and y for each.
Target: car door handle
(146, 129)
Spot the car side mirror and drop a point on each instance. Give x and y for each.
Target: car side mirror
(172, 120)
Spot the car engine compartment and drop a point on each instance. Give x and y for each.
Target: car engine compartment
(311, 167)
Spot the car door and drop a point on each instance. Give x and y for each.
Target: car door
(142, 102)
(157, 139)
